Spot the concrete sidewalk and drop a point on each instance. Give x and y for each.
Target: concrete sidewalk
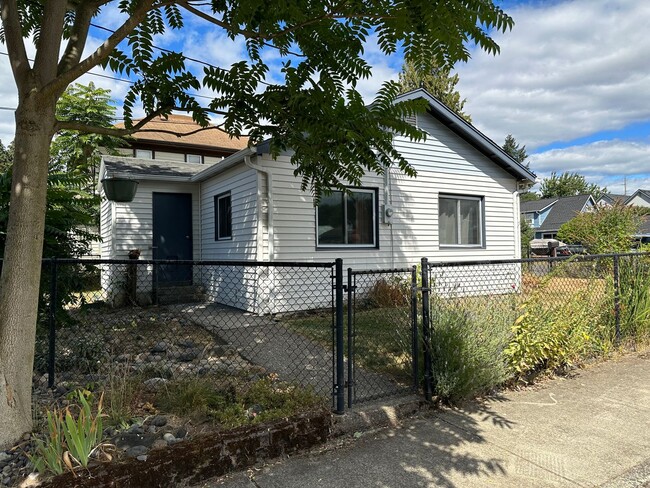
(589, 430)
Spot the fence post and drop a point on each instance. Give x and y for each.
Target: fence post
(426, 332)
(351, 331)
(51, 350)
(415, 349)
(340, 363)
(617, 298)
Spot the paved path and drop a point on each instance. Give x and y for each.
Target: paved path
(590, 430)
(265, 342)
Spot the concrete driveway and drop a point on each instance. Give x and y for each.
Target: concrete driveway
(592, 429)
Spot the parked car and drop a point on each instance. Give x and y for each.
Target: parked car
(542, 248)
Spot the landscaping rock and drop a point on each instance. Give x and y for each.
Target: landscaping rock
(187, 343)
(159, 347)
(143, 457)
(4, 459)
(159, 444)
(158, 421)
(189, 355)
(136, 451)
(181, 433)
(135, 429)
(123, 358)
(152, 429)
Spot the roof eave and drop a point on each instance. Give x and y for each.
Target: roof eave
(224, 164)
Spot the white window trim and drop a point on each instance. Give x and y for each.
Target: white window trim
(481, 234)
(187, 156)
(374, 245)
(218, 235)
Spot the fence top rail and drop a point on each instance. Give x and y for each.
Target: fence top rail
(379, 271)
(140, 262)
(574, 258)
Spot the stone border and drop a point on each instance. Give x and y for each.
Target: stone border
(206, 456)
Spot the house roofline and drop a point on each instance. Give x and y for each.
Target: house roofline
(469, 133)
(541, 209)
(224, 164)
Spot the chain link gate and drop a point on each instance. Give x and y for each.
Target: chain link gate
(382, 343)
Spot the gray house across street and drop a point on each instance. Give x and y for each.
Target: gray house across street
(463, 205)
(547, 215)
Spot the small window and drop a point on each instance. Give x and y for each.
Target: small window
(223, 217)
(460, 221)
(347, 219)
(144, 153)
(194, 158)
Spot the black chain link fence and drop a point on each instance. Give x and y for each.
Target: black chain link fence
(382, 341)
(410, 329)
(226, 322)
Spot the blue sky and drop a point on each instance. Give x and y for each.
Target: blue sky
(572, 83)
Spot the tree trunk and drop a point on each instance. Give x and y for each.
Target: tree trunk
(21, 271)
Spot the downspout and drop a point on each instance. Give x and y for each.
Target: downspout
(388, 202)
(260, 212)
(200, 222)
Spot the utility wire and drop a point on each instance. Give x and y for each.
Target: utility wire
(123, 80)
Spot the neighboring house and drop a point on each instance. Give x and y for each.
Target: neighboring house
(547, 215)
(611, 199)
(640, 198)
(202, 147)
(463, 205)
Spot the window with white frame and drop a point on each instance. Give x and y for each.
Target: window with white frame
(223, 217)
(460, 220)
(194, 158)
(144, 153)
(347, 219)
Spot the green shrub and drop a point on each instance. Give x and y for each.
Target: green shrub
(634, 281)
(559, 327)
(468, 338)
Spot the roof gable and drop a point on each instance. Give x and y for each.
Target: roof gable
(564, 210)
(470, 134)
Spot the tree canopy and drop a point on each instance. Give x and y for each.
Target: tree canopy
(516, 152)
(312, 105)
(569, 184)
(79, 152)
(438, 81)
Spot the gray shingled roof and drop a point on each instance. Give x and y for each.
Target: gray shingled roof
(562, 211)
(616, 197)
(126, 166)
(536, 205)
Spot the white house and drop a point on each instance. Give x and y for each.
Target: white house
(463, 205)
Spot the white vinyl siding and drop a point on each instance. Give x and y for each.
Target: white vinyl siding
(445, 164)
(235, 286)
(241, 182)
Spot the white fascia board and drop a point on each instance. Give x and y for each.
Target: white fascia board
(224, 164)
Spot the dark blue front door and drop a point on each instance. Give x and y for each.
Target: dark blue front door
(172, 236)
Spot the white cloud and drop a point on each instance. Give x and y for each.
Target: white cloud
(566, 70)
(606, 163)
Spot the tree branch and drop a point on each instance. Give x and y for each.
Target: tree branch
(49, 40)
(103, 51)
(15, 45)
(108, 131)
(79, 35)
